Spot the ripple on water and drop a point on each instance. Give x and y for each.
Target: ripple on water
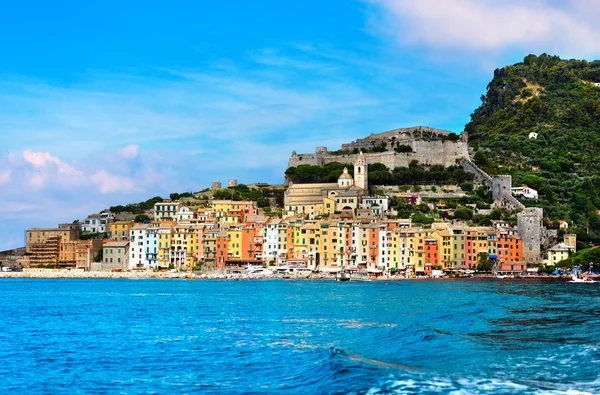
(484, 337)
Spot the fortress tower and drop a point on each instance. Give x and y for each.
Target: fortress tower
(361, 170)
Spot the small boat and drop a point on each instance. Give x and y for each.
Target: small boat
(576, 279)
(342, 276)
(360, 276)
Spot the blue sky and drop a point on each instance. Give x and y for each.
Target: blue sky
(105, 103)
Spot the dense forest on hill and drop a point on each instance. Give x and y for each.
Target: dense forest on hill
(558, 100)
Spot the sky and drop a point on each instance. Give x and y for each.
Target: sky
(111, 102)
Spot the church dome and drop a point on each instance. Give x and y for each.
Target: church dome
(345, 175)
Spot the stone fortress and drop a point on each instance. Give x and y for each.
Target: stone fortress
(433, 147)
(430, 147)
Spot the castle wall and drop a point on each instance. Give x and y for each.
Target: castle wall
(480, 175)
(445, 153)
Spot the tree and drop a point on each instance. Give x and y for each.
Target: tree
(402, 148)
(481, 159)
(99, 256)
(483, 264)
(467, 186)
(141, 218)
(533, 181)
(463, 213)
(421, 219)
(496, 214)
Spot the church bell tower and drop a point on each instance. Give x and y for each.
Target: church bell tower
(361, 170)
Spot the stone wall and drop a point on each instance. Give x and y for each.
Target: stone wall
(404, 136)
(445, 153)
(480, 175)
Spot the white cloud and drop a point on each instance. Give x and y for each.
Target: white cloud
(567, 27)
(43, 159)
(131, 151)
(109, 183)
(5, 176)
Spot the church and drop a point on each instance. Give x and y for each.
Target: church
(327, 198)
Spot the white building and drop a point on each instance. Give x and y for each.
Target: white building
(275, 242)
(524, 192)
(97, 223)
(166, 211)
(377, 204)
(184, 214)
(143, 250)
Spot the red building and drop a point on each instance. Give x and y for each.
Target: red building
(222, 249)
(431, 255)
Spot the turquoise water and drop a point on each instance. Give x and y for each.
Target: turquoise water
(152, 336)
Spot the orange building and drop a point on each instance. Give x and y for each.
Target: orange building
(251, 245)
(510, 248)
(222, 248)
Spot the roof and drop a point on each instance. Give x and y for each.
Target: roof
(141, 226)
(256, 218)
(115, 244)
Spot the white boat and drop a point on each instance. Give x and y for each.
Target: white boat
(360, 276)
(342, 276)
(576, 279)
(260, 272)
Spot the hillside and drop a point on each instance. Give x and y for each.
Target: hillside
(558, 100)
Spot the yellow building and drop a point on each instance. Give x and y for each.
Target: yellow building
(182, 253)
(445, 248)
(235, 243)
(458, 247)
(233, 212)
(119, 231)
(165, 235)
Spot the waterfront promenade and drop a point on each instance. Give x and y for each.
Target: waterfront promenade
(224, 276)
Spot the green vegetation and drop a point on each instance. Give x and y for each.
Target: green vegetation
(403, 148)
(177, 196)
(556, 99)
(141, 218)
(417, 173)
(583, 258)
(310, 173)
(137, 208)
(379, 174)
(263, 196)
(85, 235)
(484, 264)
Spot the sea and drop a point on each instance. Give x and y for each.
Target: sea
(471, 336)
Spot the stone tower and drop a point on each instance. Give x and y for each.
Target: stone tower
(501, 185)
(530, 229)
(361, 170)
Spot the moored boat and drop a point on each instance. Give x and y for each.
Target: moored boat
(342, 276)
(360, 276)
